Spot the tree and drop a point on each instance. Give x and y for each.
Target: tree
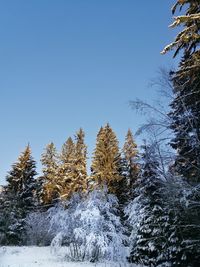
(189, 38)
(37, 227)
(90, 228)
(185, 113)
(131, 156)
(106, 164)
(129, 169)
(148, 238)
(50, 188)
(19, 198)
(66, 168)
(21, 180)
(79, 183)
(181, 229)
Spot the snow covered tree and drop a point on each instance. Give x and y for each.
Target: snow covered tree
(37, 228)
(106, 164)
(79, 183)
(189, 38)
(19, 196)
(190, 219)
(131, 156)
(181, 223)
(20, 179)
(90, 228)
(185, 113)
(50, 188)
(2, 217)
(146, 214)
(184, 236)
(66, 168)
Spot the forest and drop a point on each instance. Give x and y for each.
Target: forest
(134, 204)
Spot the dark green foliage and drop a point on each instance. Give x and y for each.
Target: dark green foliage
(18, 197)
(185, 113)
(148, 244)
(185, 117)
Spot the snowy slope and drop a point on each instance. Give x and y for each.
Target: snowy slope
(41, 256)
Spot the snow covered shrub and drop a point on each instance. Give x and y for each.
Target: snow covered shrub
(91, 228)
(62, 218)
(38, 229)
(100, 232)
(62, 225)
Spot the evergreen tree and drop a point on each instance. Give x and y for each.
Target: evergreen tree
(19, 198)
(79, 183)
(2, 216)
(21, 181)
(131, 156)
(106, 164)
(129, 169)
(50, 188)
(185, 113)
(66, 168)
(21, 178)
(148, 242)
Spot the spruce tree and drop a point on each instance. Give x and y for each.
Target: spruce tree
(50, 188)
(106, 164)
(131, 156)
(79, 183)
(185, 113)
(148, 244)
(21, 179)
(129, 169)
(66, 168)
(19, 196)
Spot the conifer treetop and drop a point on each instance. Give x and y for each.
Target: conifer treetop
(67, 150)
(49, 158)
(23, 171)
(130, 147)
(106, 157)
(189, 38)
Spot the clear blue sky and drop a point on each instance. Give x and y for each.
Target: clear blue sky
(66, 64)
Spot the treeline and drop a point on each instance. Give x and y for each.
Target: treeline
(64, 174)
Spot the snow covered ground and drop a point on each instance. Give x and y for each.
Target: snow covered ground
(42, 256)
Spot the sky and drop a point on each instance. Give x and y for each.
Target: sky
(66, 64)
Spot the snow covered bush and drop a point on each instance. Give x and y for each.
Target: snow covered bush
(100, 231)
(37, 226)
(91, 228)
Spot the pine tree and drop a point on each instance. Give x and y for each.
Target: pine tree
(21, 181)
(106, 164)
(129, 169)
(131, 156)
(67, 168)
(184, 244)
(19, 196)
(79, 183)
(50, 188)
(185, 113)
(148, 243)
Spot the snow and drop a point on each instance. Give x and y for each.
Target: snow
(43, 257)
(90, 227)
(1, 189)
